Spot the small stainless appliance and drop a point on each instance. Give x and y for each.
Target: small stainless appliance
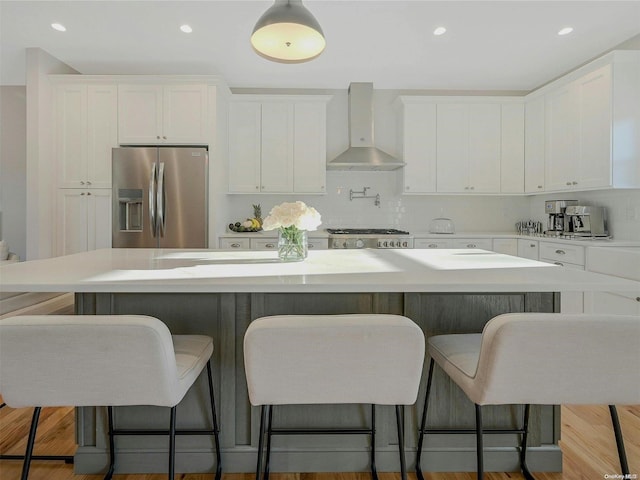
(555, 209)
(160, 197)
(585, 221)
(369, 238)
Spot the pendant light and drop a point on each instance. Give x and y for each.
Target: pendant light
(288, 33)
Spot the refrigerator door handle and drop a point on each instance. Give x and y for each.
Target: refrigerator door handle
(152, 199)
(160, 195)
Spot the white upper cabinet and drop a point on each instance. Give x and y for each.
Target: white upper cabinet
(512, 149)
(310, 147)
(417, 145)
(534, 144)
(468, 147)
(592, 126)
(157, 114)
(86, 131)
(277, 144)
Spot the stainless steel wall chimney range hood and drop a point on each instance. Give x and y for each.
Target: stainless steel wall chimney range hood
(362, 154)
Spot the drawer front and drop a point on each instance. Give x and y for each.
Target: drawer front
(562, 253)
(318, 243)
(235, 243)
(432, 243)
(272, 244)
(508, 246)
(483, 243)
(264, 244)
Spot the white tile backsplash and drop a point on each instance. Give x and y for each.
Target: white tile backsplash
(413, 213)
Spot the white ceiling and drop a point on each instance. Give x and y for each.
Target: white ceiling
(489, 45)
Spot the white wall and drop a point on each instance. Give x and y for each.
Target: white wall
(13, 170)
(40, 172)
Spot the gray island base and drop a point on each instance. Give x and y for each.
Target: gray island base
(218, 293)
(225, 316)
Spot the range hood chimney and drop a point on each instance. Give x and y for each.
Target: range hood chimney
(362, 154)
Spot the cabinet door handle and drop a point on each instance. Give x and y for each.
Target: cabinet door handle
(574, 183)
(466, 188)
(158, 137)
(81, 183)
(257, 187)
(235, 245)
(269, 245)
(561, 252)
(637, 299)
(471, 188)
(533, 245)
(164, 137)
(471, 245)
(407, 187)
(88, 193)
(310, 245)
(539, 186)
(82, 193)
(559, 264)
(88, 183)
(569, 183)
(433, 245)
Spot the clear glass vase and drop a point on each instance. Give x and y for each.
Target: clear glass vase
(292, 244)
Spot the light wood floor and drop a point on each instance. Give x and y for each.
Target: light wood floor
(587, 443)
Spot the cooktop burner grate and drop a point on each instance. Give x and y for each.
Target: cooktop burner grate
(366, 231)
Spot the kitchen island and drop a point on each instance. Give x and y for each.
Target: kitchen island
(219, 293)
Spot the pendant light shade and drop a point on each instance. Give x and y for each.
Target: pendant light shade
(288, 33)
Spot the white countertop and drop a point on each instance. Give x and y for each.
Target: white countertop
(585, 243)
(366, 270)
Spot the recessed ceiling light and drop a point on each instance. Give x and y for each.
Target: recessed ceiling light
(59, 27)
(186, 28)
(439, 31)
(565, 31)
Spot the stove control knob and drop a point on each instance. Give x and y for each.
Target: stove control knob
(379, 244)
(405, 244)
(359, 243)
(385, 244)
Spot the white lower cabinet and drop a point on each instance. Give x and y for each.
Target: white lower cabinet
(568, 256)
(269, 243)
(618, 262)
(483, 243)
(432, 243)
(236, 243)
(84, 220)
(508, 246)
(528, 248)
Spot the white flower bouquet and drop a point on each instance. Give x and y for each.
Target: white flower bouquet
(293, 221)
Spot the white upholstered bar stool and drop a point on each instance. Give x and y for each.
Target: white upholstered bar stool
(102, 360)
(332, 359)
(544, 359)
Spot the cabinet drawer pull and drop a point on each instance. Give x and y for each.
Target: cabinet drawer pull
(559, 264)
(433, 245)
(269, 245)
(539, 186)
(533, 245)
(310, 245)
(81, 183)
(637, 299)
(561, 252)
(471, 245)
(574, 183)
(235, 245)
(88, 183)
(569, 183)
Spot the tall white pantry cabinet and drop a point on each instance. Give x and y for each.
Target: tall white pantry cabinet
(86, 123)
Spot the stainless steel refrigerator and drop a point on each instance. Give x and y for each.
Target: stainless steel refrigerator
(160, 197)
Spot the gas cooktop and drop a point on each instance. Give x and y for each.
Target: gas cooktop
(366, 231)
